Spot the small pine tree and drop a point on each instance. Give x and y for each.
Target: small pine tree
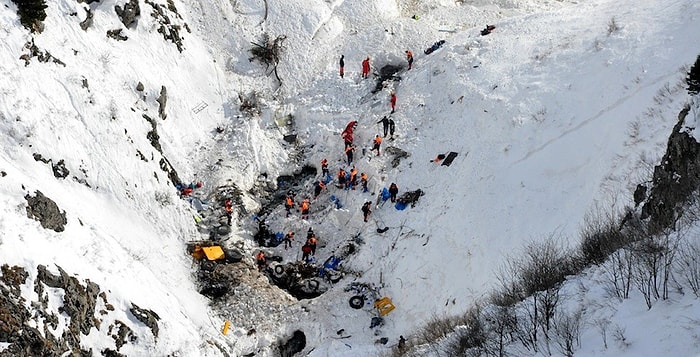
(693, 78)
(31, 12)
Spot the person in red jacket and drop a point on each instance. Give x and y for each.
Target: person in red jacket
(365, 68)
(392, 100)
(342, 66)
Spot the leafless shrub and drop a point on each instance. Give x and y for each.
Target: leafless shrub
(470, 336)
(618, 270)
(163, 198)
(567, 329)
(688, 265)
(600, 236)
(602, 325)
(501, 323)
(618, 333)
(613, 27)
(654, 257)
(437, 328)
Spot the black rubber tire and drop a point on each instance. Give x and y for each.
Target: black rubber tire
(279, 270)
(335, 277)
(208, 265)
(233, 255)
(357, 302)
(313, 285)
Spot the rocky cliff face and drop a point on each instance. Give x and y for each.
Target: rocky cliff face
(85, 305)
(675, 179)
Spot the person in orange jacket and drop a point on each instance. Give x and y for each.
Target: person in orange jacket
(350, 153)
(318, 187)
(409, 58)
(305, 204)
(353, 178)
(324, 167)
(342, 178)
(392, 100)
(289, 204)
(288, 238)
(377, 142)
(363, 181)
(312, 242)
(365, 68)
(260, 259)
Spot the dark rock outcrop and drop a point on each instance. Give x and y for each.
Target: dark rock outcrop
(674, 180)
(162, 101)
(148, 317)
(129, 14)
(46, 211)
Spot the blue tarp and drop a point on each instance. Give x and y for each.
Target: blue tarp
(401, 206)
(385, 194)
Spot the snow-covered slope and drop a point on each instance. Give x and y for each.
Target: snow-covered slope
(553, 115)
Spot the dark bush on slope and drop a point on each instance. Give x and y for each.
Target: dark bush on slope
(31, 13)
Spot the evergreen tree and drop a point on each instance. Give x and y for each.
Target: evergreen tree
(693, 78)
(31, 12)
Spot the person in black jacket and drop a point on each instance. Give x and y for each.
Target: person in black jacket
(366, 210)
(385, 124)
(393, 191)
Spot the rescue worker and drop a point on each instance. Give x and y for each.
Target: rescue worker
(385, 124)
(305, 208)
(342, 66)
(363, 181)
(392, 100)
(376, 143)
(366, 209)
(288, 238)
(350, 153)
(324, 167)
(365, 68)
(260, 259)
(342, 178)
(311, 242)
(393, 191)
(318, 187)
(353, 178)
(289, 204)
(306, 251)
(409, 58)
(228, 207)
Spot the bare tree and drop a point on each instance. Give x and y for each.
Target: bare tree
(618, 270)
(567, 329)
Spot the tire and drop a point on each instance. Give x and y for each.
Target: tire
(335, 277)
(279, 270)
(233, 255)
(208, 265)
(313, 285)
(357, 302)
